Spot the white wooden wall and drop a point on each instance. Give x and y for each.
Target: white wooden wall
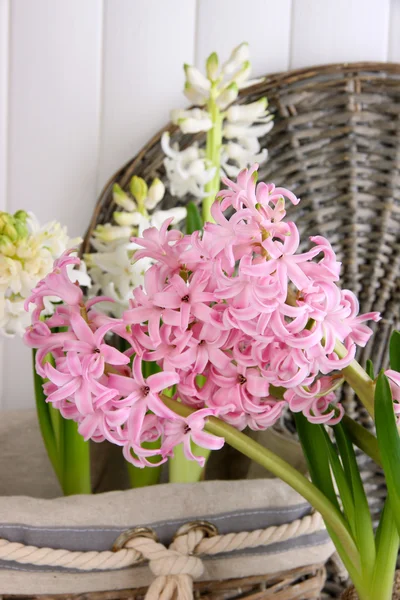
(84, 84)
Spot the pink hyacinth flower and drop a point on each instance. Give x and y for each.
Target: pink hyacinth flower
(138, 395)
(188, 430)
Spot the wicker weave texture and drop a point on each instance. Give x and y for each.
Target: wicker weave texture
(305, 583)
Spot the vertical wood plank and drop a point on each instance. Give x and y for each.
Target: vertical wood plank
(394, 32)
(264, 24)
(344, 30)
(54, 95)
(146, 43)
(4, 45)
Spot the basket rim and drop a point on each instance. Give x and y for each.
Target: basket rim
(268, 83)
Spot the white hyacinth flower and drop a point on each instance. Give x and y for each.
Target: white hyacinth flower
(187, 170)
(111, 233)
(126, 219)
(243, 74)
(191, 121)
(112, 267)
(178, 214)
(255, 112)
(239, 55)
(14, 319)
(155, 194)
(122, 199)
(241, 131)
(115, 275)
(228, 95)
(197, 80)
(236, 157)
(190, 170)
(193, 95)
(35, 249)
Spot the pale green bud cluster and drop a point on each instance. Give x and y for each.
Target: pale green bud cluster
(13, 228)
(220, 81)
(142, 198)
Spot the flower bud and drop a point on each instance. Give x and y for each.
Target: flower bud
(122, 199)
(21, 215)
(110, 233)
(178, 213)
(10, 231)
(243, 74)
(191, 121)
(212, 66)
(239, 55)
(197, 79)
(193, 95)
(21, 229)
(7, 226)
(241, 131)
(3, 218)
(194, 125)
(228, 95)
(126, 219)
(138, 188)
(247, 112)
(155, 194)
(7, 248)
(177, 114)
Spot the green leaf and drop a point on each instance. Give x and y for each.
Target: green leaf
(76, 460)
(394, 351)
(362, 517)
(344, 486)
(388, 442)
(194, 221)
(45, 423)
(387, 546)
(314, 447)
(369, 367)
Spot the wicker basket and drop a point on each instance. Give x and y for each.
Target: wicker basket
(299, 584)
(336, 144)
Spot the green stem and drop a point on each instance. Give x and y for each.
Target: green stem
(213, 154)
(385, 565)
(183, 470)
(280, 468)
(358, 379)
(143, 477)
(362, 438)
(148, 475)
(76, 461)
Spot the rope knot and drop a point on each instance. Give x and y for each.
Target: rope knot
(174, 567)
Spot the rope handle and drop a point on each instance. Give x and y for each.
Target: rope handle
(175, 567)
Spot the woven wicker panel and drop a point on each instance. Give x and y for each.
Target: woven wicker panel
(336, 144)
(299, 584)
